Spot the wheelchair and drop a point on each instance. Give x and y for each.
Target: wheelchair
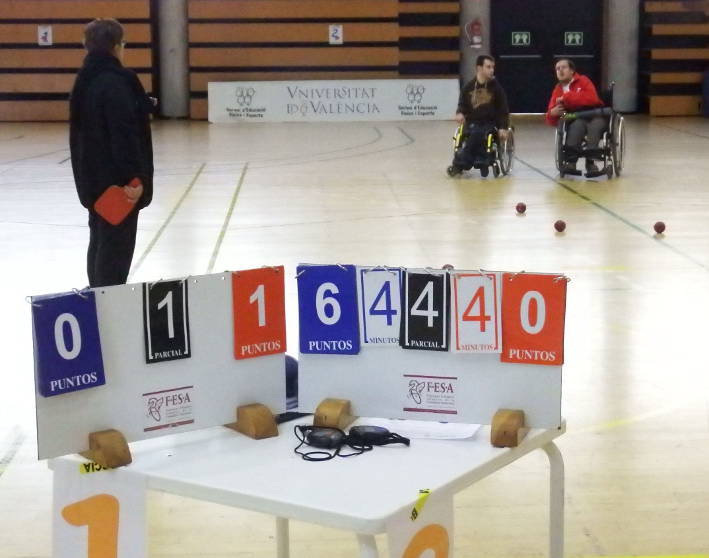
(611, 148)
(499, 153)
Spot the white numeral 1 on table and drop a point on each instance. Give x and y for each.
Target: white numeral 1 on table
(260, 299)
(430, 313)
(524, 312)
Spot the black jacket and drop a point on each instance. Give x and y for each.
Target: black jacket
(483, 103)
(109, 134)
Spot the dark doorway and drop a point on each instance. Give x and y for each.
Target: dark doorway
(528, 35)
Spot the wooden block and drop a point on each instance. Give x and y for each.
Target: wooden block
(507, 429)
(255, 421)
(333, 413)
(108, 448)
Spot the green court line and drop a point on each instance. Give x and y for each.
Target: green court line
(616, 216)
(218, 245)
(165, 224)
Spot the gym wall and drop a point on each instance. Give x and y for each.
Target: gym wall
(35, 80)
(674, 55)
(243, 40)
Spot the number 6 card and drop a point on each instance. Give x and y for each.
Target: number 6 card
(327, 309)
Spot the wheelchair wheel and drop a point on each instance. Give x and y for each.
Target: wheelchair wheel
(618, 144)
(559, 152)
(506, 152)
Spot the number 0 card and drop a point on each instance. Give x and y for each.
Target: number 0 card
(67, 345)
(533, 313)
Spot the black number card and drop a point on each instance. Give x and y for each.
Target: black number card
(166, 321)
(424, 325)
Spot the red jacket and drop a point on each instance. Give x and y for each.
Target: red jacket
(581, 95)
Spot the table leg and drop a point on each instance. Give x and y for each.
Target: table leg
(367, 546)
(556, 500)
(282, 538)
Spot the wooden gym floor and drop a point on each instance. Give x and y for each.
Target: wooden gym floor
(233, 197)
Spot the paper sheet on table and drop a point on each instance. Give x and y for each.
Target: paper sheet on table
(422, 429)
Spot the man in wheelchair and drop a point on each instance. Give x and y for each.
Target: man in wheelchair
(482, 108)
(575, 93)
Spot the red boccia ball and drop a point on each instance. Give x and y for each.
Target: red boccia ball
(560, 226)
(659, 227)
(521, 207)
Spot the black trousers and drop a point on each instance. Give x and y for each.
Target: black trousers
(474, 150)
(111, 250)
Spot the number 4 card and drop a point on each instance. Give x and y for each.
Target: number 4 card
(379, 291)
(424, 325)
(533, 312)
(259, 312)
(477, 307)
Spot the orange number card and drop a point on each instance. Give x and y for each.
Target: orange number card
(259, 312)
(533, 311)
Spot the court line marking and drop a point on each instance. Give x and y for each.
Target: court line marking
(409, 141)
(378, 136)
(681, 131)
(18, 438)
(162, 228)
(220, 239)
(616, 216)
(33, 156)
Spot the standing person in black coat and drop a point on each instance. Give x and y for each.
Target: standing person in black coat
(110, 144)
(482, 107)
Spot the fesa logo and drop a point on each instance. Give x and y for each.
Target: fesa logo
(418, 388)
(157, 405)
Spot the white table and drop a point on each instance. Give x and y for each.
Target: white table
(359, 494)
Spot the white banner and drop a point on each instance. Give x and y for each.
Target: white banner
(333, 100)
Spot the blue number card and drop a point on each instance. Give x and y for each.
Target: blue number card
(67, 346)
(327, 304)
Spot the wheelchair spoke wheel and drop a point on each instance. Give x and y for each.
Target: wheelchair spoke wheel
(618, 145)
(506, 153)
(559, 150)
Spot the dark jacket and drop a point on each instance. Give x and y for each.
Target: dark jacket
(483, 103)
(109, 136)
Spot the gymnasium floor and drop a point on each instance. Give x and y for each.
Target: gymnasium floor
(234, 197)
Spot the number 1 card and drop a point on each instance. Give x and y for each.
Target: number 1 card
(258, 297)
(166, 321)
